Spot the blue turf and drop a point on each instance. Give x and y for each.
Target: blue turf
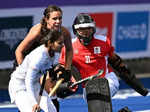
(135, 103)
(78, 104)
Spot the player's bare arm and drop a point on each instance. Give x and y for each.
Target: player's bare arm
(27, 42)
(69, 49)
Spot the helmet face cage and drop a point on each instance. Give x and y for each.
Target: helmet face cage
(83, 21)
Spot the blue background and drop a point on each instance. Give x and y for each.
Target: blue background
(127, 20)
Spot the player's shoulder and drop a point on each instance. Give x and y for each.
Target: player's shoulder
(101, 37)
(74, 40)
(36, 28)
(38, 55)
(38, 52)
(65, 30)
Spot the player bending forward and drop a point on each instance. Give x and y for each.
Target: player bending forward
(24, 85)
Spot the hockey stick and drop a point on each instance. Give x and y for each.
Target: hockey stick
(56, 87)
(88, 78)
(76, 83)
(41, 91)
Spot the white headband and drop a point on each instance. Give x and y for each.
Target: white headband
(84, 25)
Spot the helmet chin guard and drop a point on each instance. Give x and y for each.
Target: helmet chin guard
(84, 21)
(85, 40)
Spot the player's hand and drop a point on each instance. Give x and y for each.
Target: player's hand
(66, 75)
(52, 74)
(62, 73)
(35, 108)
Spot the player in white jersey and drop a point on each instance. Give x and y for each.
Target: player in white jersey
(24, 84)
(51, 20)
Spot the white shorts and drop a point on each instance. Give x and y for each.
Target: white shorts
(22, 99)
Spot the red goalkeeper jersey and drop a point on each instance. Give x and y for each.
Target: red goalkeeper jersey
(91, 58)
